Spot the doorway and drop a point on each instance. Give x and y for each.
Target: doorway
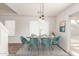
(74, 36)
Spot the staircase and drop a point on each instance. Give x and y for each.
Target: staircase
(3, 40)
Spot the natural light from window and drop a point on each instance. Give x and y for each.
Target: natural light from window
(10, 25)
(39, 28)
(75, 22)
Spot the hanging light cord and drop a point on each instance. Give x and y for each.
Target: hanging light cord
(41, 10)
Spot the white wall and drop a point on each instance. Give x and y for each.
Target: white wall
(65, 42)
(22, 25)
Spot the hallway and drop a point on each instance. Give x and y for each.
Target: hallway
(75, 36)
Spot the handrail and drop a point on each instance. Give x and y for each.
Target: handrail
(3, 27)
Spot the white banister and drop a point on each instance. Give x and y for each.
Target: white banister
(3, 40)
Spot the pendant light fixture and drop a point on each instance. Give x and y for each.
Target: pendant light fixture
(42, 16)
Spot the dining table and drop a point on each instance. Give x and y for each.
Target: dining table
(41, 39)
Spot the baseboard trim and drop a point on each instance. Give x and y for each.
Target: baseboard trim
(14, 43)
(64, 50)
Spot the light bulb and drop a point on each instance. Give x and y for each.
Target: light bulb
(40, 19)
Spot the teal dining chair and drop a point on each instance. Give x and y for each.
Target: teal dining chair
(55, 40)
(46, 42)
(34, 42)
(24, 40)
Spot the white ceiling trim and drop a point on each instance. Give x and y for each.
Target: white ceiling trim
(32, 9)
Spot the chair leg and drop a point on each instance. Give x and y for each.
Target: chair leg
(52, 47)
(29, 48)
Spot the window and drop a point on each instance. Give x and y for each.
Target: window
(10, 24)
(73, 22)
(34, 27)
(44, 28)
(38, 28)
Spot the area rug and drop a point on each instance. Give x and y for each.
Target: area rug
(41, 51)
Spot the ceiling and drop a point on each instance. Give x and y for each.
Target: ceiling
(5, 10)
(32, 9)
(76, 14)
